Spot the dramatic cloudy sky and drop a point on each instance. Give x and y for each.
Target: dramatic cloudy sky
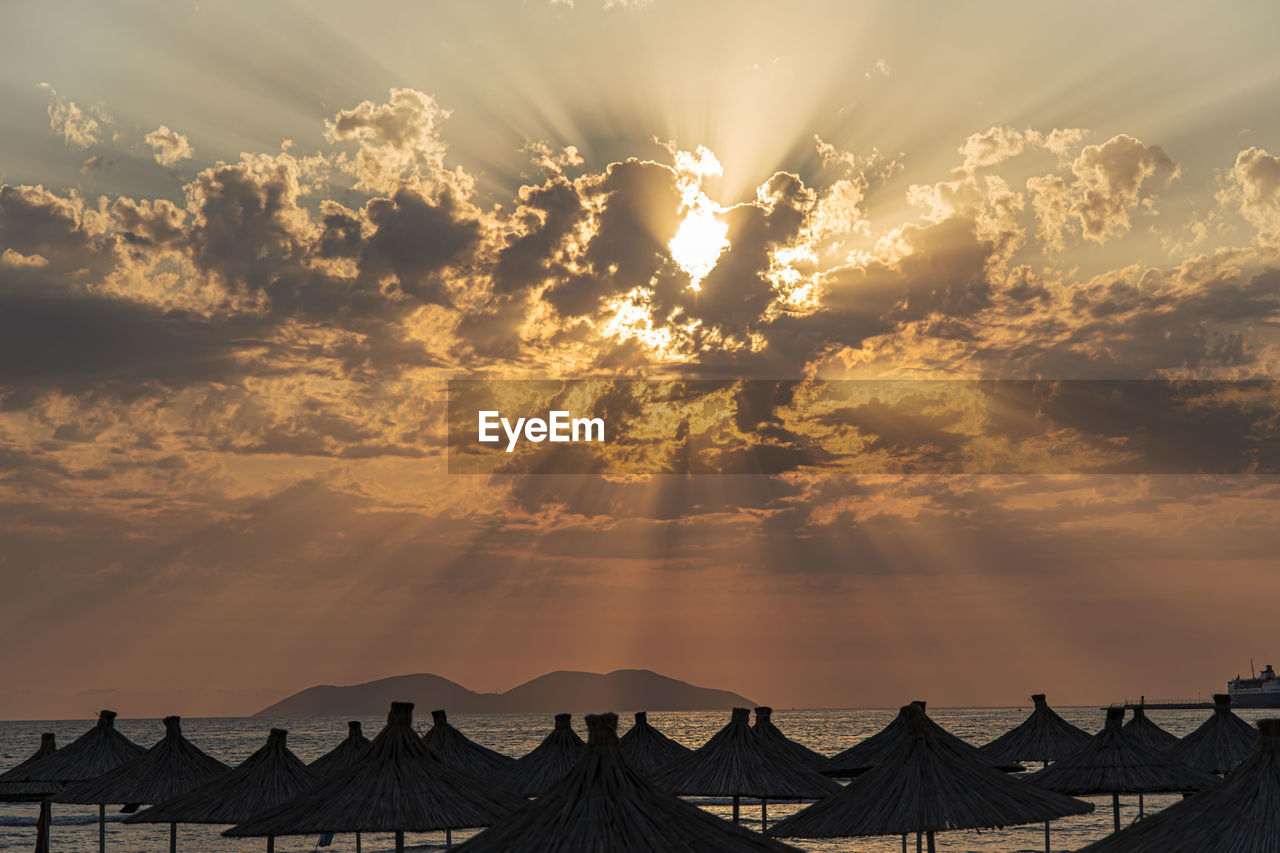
(243, 247)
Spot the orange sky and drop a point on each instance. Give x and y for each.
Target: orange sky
(236, 274)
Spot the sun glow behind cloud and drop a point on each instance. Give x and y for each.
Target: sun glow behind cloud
(702, 236)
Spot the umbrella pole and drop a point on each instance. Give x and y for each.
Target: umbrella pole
(357, 842)
(904, 842)
(448, 838)
(932, 849)
(735, 808)
(42, 826)
(1142, 810)
(1115, 808)
(102, 828)
(173, 838)
(1047, 848)
(764, 816)
(271, 844)
(919, 843)
(399, 841)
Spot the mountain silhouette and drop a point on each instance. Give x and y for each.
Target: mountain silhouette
(562, 690)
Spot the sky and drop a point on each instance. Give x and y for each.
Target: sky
(245, 246)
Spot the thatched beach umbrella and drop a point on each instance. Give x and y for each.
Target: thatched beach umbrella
(269, 777)
(928, 785)
(605, 804)
(398, 786)
(16, 784)
(173, 766)
(342, 756)
(769, 732)
(100, 749)
(1238, 815)
(457, 750)
(1142, 730)
(14, 787)
(861, 757)
(1220, 743)
(736, 763)
(1114, 763)
(1043, 736)
(546, 765)
(648, 750)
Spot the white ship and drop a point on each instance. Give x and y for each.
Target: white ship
(1260, 691)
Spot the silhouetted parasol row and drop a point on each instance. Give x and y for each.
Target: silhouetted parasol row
(929, 783)
(1238, 815)
(913, 776)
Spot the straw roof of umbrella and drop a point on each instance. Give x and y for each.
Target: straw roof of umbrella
(1146, 732)
(768, 731)
(1043, 736)
(736, 762)
(457, 750)
(16, 785)
(97, 751)
(1113, 762)
(1220, 743)
(269, 777)
(605, 804)
(547, 764)
(876, 749)
(929, 784)
(648, 750)
(173, 766)
(342, 756)
(1241, 814)
(397, 786)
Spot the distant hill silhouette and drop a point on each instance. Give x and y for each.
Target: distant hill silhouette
(563, 690)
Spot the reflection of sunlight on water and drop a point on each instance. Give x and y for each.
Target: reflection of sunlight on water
(233, 740)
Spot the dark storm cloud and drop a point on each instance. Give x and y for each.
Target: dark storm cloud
(414, 239)
(640, 206)
(81, 343)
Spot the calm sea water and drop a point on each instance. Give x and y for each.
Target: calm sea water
(234, 739)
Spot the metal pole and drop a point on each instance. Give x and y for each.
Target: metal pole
(399, 841)
(904, 842)
(764, 816)
(102, 828)
(448, 838)
(357, 842)
(1142, 808)
(173, 838)
(932, 849)
(735, 808)
(919, 843)
(1115, 808)
(271, 844)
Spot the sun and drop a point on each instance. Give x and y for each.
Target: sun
(698, 244)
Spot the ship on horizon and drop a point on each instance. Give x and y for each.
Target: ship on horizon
(1260, 690)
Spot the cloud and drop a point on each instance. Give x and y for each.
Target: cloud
(16, 260)
(170, 146)
(1253, 184)
(80, 128)
(398, 141)
(1110, 180)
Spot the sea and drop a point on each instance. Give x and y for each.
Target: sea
(231, 739)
